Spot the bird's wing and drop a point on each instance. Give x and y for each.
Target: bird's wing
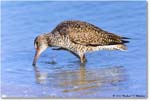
(90, 35)
(86, 34)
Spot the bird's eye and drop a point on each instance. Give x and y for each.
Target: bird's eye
(37, 43)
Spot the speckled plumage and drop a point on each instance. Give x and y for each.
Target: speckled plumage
(80, 37)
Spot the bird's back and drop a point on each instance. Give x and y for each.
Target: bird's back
(87, 34)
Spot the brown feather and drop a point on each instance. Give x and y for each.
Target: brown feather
(86, 34)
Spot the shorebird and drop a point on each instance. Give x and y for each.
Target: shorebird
(78, 37)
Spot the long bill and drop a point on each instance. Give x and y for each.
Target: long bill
(37, 54)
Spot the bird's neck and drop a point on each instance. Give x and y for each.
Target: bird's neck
(53, 40)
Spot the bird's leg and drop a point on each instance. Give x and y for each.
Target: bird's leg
(83, 58)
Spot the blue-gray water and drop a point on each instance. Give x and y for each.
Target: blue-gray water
(107, 74)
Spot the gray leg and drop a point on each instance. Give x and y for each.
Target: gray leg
(83, 58)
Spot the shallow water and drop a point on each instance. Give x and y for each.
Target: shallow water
(107, 74)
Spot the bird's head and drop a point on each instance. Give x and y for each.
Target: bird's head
(40, 44)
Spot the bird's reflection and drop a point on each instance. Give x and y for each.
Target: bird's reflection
(40, 76)
(83, 78)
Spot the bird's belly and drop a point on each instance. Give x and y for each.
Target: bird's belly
(78, 48)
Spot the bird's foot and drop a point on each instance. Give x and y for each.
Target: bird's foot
(82, 64)
(83, 60)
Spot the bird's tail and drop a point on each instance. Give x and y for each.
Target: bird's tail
(122, 46)
(125, 41)
(125, 38)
